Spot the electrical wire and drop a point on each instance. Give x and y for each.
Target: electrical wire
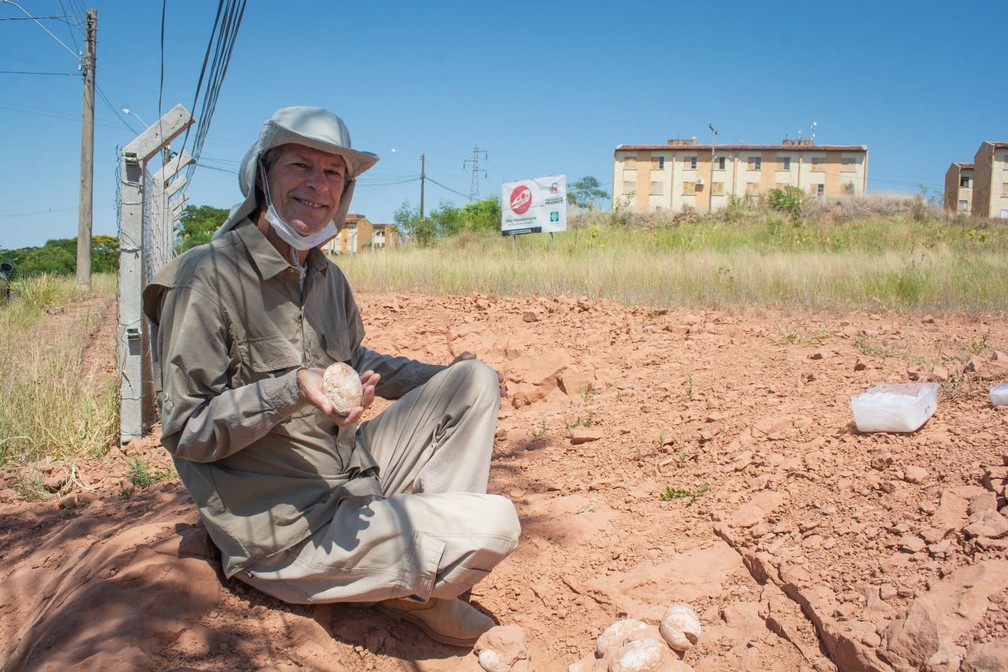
(465, 196)
(220, 47)
(72, 36)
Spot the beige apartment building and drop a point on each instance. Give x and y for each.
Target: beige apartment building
(360, 235)
(990, 181)
(683, 174)
(959, 188)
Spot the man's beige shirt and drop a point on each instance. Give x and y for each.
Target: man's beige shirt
(231, 328)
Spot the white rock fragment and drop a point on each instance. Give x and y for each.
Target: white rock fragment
(680, 627)
(619, 633)
(491, 661)
(343, 387)
(639, 655)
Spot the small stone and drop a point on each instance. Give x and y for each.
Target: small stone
(915, 474)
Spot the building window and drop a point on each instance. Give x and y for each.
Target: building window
(657, 163)
(820, 189)
(755, 162)
(818, 163)
(963, 205)
(656, 188)
(690, 162)
(784, 163)
(965, 181)
(848, 188)
(717, 188)
(719, 162)
(628, 188)
(688, 188)
(847, 164)
(1004, 190)
(752, 188)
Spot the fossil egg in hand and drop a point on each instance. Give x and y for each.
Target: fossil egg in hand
(343, 387)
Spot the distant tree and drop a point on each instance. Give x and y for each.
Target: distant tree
(483, 216)
(479, 217)
(104, 254)
(197, 225)
(585, 192)
(408, 221)
(447, 220)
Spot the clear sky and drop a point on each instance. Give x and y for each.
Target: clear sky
(541, 88)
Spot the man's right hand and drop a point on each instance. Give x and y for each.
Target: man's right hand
(310, 384)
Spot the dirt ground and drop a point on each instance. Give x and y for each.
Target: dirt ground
(698, 457)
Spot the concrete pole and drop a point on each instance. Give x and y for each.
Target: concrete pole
(136, 401)
(422, 177)
(85, 209)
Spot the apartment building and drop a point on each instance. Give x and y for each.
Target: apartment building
(683, 174)
(360, 235)
(990, 181)
(959, 188)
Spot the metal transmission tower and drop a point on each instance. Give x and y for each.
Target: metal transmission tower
(474, 187)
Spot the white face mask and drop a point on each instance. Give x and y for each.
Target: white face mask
(292, 237)
(286, 232)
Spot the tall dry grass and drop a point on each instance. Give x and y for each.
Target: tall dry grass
(836, 258)
(54, 402)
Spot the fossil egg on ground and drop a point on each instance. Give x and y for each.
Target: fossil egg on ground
(619, 633)
(680, 627)
(343, 387)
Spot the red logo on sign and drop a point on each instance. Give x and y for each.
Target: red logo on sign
(521, 199)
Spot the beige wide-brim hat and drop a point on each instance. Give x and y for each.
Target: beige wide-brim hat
(309, 126)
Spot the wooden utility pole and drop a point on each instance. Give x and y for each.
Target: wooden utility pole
(421, 185)
(85, 210)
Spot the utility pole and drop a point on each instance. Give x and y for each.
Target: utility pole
(710, 189)
(85, 209)
(421, 184)
(474, 186)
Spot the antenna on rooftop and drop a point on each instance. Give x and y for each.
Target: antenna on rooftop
(812, 134)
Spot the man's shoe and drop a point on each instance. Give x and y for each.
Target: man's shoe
(451, 622)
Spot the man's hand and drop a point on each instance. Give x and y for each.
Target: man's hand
(501, 383)
(310, 384)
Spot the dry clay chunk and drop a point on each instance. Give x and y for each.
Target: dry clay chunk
(343, 387)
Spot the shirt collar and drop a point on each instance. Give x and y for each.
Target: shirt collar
(267, 259)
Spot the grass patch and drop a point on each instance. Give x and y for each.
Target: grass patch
(830, 260)
(670, 493)
(54, 404)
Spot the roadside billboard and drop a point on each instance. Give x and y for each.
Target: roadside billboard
(538, 205)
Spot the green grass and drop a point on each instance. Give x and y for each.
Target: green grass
(883, 262)
(54, 404)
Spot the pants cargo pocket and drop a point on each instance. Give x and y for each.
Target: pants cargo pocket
(419, 572)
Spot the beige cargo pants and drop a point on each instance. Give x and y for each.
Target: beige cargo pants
(425, 527)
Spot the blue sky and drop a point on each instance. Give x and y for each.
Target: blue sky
(541, 88)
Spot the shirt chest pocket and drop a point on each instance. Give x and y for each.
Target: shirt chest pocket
(266, 357)
(336, 345)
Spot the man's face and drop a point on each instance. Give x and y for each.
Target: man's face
(305, 185)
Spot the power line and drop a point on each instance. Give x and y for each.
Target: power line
(447, 188)
(221, 44)
(25, 72)
(76, 55)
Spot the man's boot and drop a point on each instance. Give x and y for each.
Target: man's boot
(448, 621)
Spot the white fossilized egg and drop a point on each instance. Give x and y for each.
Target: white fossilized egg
(618, 634)
(639, 655)
(680, 627)
(343, 387)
